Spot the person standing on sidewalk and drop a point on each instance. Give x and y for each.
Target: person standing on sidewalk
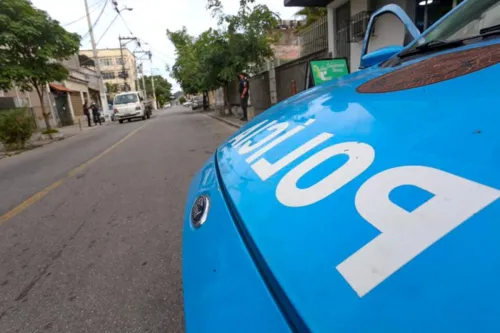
(244, 93)
(95, 113)
(86, 112)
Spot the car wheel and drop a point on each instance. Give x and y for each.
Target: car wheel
(121, 121)
(129, 120)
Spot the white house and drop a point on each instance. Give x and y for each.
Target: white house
(348, 19)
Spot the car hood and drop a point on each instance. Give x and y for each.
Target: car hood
(391, 155)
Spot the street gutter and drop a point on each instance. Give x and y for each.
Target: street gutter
(226, 120)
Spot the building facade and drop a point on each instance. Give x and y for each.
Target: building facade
(348, 19)
(63, 100)
(110, 61)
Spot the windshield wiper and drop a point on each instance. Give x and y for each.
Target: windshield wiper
(431, 46)
(494, 29)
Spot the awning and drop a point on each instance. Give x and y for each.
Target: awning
(59, 87)
(307, 3)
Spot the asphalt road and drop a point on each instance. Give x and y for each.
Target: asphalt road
(100, 251)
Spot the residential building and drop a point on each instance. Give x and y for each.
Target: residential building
(63, 100)
(30, 99)
(348, 19)
(287, 48)
(110, 61)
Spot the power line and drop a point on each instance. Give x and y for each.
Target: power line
(95, 5)
(109, 26)
(97, 20)
(126, 25)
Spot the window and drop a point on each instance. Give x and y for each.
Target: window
(126, 98)
(108, 75)
(106, 62)
(123, 75)
(119, 61)
(465, 22)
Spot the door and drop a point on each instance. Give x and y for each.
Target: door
(63, 110)
(76, 101)
(400, 15)
(342, 29)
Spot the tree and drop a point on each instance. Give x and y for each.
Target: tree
(186, 67)
(111, 88)
(311, 14)
(32, 45)
(213, 59)
(163, 89)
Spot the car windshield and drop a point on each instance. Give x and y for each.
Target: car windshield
(466, 22)
(124, 99)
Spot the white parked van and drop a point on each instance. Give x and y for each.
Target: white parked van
(128, 106)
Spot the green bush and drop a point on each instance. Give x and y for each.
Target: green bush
(50, 131)
(16, 128)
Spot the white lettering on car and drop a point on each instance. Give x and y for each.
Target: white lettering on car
(277, 141)
(243, 135)
(360, 156)
(264, 169)
(405, 234)
(276, 130)
(251, 135)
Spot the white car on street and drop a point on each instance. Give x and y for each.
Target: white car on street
(128, 106)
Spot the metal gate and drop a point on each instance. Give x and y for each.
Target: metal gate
(62, 107)
(342, 28)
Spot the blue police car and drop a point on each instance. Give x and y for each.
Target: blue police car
(366, 204)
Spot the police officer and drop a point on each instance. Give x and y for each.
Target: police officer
(244, 89)
(86, 112)
(95, 113)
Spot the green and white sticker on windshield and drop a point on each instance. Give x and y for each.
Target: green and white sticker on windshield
(328, 69)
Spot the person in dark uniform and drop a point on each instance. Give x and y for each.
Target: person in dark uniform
(95, 113)
(244, 89)
(86, 112)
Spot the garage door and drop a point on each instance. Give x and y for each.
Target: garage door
(76, 101)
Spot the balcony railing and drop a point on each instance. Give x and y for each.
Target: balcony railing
(314, 38)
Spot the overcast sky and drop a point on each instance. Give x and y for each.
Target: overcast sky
(148, 21)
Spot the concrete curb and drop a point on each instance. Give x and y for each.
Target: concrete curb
(225, 120)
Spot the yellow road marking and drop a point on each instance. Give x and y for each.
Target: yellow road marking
(34, 198)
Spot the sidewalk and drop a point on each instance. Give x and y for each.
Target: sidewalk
(38, 139)
(230, 119)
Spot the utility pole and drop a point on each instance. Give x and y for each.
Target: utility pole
(154, 92)
(152, 78)
(123, 63)
(153, 81)
(124, 74)
(102, 91)
(144, 82)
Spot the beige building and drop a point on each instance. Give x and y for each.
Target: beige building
(63, 100)
(111, 67)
